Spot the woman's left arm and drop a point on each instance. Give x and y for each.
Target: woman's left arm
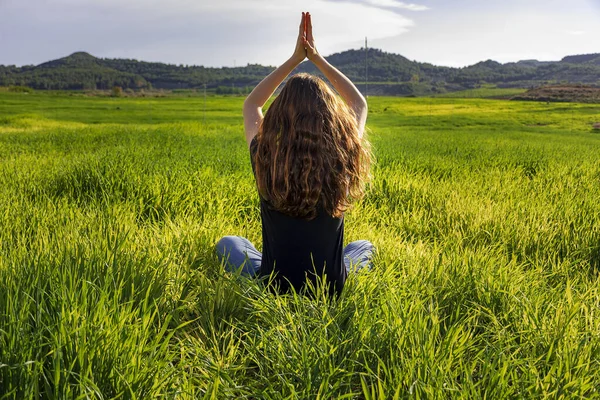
(255, 101)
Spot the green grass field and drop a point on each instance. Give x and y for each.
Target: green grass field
(484, 93)
(486, 216)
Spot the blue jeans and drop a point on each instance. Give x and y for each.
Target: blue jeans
(239, 253)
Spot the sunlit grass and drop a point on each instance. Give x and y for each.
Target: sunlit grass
(485, 215)
(485, 92)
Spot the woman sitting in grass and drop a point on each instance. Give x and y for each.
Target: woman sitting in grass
(310, 162)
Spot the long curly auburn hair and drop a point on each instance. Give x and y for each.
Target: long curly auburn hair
(309, 153)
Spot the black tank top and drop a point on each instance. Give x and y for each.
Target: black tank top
(296, 249)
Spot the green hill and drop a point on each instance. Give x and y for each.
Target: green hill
(583, 59)
(387, 73)
(78, 71)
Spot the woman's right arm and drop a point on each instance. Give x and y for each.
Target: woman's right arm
(340, 82)
(255, 101)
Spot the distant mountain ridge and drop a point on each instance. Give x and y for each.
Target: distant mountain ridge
(388, 73)
(583, 59)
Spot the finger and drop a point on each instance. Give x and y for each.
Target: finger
(305, 18)
(309, 33)
(302, 29)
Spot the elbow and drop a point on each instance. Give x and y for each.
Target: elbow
(250, 103)
(246, 104)
(363, 103)
(361, 108)
(359, 103)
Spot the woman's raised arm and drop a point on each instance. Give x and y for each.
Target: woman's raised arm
(340, 82)
(255, 101)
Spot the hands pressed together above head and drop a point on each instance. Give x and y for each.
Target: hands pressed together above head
(305, 48)
(305, 44)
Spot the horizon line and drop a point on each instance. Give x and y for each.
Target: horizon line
(275, 66)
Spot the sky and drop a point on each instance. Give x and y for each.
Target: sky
(219, 33)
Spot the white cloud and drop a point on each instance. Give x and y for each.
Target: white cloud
(332, 21)
(397, 4)
(575, 33)
(264, 31)
(206, 32)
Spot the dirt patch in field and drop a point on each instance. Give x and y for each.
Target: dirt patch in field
(562, 93)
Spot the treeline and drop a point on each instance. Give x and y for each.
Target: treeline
(388, 67)
(84, 71)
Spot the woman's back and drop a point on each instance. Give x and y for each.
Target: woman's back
(297, 249)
